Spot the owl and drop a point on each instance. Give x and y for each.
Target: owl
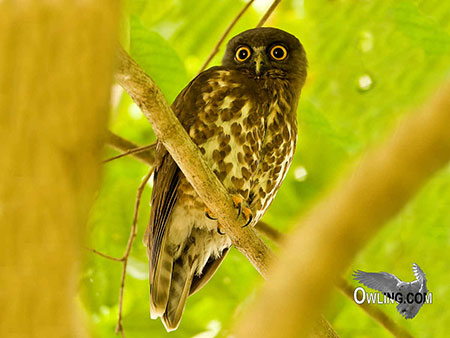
(242, 116)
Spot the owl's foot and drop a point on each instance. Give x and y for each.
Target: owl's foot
(209, 215)
(246, 212)
(237, 201)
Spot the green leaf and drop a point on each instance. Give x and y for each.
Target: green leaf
(155, 55)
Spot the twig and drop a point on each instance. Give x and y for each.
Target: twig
(134, 151)
(268, 13)
(119, 143)
(224, 35)
(104, 255)
(124, 258)
(146, 94)
(133, 233)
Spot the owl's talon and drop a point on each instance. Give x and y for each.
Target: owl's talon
(208, 215)
(248, 215)
(250, 219)
(219, 231)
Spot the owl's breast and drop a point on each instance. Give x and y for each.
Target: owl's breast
(247, 140)
(277, 151)
(230, 134)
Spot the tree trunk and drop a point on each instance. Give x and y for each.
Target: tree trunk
(56, 65)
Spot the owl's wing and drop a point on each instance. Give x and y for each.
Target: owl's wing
(164, 196)
(166, 179)
(381, 281)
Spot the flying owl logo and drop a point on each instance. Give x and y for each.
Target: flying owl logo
(404, 293)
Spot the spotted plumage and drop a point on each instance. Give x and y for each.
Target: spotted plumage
(242, 116)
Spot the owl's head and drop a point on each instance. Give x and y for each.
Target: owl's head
(267, 52)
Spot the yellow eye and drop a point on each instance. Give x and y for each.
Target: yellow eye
(243, 53)
(278, 52)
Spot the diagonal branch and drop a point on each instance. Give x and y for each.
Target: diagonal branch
(101, 254)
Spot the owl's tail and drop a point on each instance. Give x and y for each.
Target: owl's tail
(180, 286)
(160, 276)
(169, 288)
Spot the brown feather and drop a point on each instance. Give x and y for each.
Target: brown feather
(208, 271)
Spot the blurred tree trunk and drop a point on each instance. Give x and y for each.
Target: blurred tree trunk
(56, 64)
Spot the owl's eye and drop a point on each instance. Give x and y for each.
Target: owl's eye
(278, 52)
(243, 53)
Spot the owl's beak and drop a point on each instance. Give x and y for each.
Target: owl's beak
(259, 63)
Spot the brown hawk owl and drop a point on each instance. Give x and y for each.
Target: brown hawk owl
(242, 115)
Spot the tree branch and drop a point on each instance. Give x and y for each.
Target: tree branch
(336, 229)
(126, 255)
(56, 66)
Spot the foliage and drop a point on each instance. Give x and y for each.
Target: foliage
(370, 62)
